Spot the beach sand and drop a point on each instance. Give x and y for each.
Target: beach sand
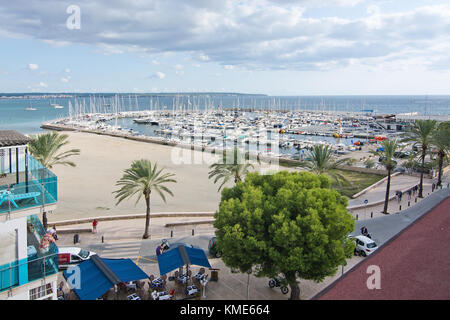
(87, 189)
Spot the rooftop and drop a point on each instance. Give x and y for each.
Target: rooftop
(10, 138)
(413, 265)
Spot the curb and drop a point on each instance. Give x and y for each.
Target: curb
(134, 216)
(175, 224)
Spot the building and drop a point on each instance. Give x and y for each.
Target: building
(28, 265)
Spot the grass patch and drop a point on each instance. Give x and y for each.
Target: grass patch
(357, 182)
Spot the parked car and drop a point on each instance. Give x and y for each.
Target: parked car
(364, 245)
(70, 256)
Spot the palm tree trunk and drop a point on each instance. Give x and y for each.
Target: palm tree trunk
(295, 288)
(147, 218)
(441, 163)
(422, 168)
(388, 187)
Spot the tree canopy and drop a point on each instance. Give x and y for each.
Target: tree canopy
(288, 223)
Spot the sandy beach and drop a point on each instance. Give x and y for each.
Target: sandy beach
(86, 190)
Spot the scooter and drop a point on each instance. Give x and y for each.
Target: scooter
(277, 282)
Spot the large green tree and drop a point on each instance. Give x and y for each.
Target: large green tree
(46, 148)
(387, 154)
(232, 166)
(420, 134)
(441, 141)
(141, 179)
(289, 223)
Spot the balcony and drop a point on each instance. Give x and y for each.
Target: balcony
(40, 263)
(38, 187)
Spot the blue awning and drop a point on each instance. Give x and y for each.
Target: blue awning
(125, 269)
(180, 256)
(98, 275)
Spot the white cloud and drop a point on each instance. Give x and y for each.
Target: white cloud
(33, 66)
(65, 79)
(67, 70)
(228, 67)
(43, 84)
(251, 34)
(160, 75)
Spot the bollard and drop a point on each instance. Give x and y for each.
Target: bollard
(192, 232)
(103, 239)
(171, 233)
(76, 238)
(415, 200)
(356, 217)
(371, 214)
(409, 203)
(400, 208)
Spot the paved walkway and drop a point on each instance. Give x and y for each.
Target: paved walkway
(400, 182)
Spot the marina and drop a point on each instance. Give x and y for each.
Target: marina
(277, 132)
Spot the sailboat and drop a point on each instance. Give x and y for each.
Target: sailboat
(30, 108)
(56, 106)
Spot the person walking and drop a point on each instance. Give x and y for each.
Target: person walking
(433, 186)
(94, 226)
(409, 194)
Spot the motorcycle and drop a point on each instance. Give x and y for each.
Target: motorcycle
(277, 282)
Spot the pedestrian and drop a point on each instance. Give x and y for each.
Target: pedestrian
(158, 250)
(400, 196)
(52, 232)
(94, 226)
(433, 186)
(409, 194)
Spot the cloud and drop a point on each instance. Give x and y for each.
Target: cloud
(158, 74)
(43, 84)
(67, 70)
(251, 34)
(228, 67)
(65, 79)
(33, 66)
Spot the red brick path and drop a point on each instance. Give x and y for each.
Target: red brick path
(415, 265)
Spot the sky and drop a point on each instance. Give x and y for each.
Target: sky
(275, 47)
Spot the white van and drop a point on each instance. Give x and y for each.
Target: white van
(70, 256)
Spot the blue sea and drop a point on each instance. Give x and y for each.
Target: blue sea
(13, 115)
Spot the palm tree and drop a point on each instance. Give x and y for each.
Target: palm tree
(141, 179)
(46, 148)
(387, 152)
(420, 134)
(320, 160)
(441, 140)
(227, 169)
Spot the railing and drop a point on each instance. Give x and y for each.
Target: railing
(39, 190)
(39, 265)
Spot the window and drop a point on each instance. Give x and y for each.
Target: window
(75, 258)
(41, 291)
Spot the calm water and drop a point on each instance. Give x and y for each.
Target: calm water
(14, 116)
